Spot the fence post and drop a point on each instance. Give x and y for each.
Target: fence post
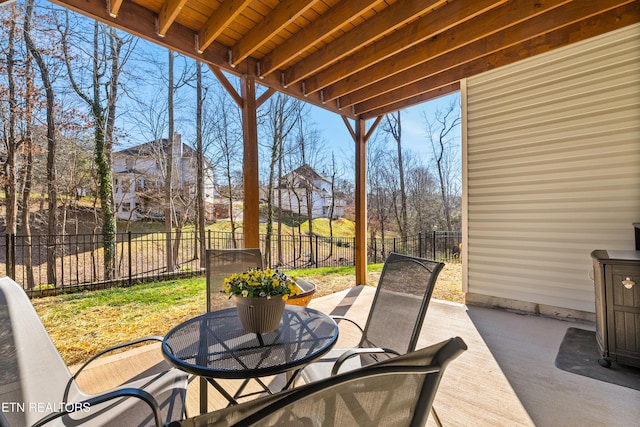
(316, 251)
(130, 258)
(10, 250)
(375, 250)
(353, 245)
(433, 242)
(419, 245)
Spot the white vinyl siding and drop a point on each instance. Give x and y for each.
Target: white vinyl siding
(552, 170)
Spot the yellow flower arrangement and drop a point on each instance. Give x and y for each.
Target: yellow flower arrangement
(256, 283)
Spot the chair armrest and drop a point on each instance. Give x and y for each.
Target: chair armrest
(348, 320)
(356, 352)
(124, 392)
(115, 347)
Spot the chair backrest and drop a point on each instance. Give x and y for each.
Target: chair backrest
(222, 263)
(398, 391)
(32, 371)
(400, 303)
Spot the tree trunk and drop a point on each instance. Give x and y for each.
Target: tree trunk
(51, 146)
(103, 122)
(168, 217)
(200, 198)
(10, 163)
(394, 127)
(27, 178)
(333, 204)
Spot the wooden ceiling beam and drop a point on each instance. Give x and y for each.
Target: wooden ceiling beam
(218, 22)
(376, 27)
(402, 40)
(455, 55)
(285, 13)
(168, 14)
(611, 20)
(316, 31)
(450, 40)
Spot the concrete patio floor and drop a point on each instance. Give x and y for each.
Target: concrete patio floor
(506, 378)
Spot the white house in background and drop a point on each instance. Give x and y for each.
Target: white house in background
(138, 174)
(293, 191)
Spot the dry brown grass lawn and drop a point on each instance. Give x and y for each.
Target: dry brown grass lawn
(83, 324)
(448, 287)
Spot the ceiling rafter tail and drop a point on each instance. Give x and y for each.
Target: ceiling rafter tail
(318, 30)
(470, 31)
(383, 23)
(227, 85)
(168, 14)
(404, 39)
(286, 12)
(113, 7)
(226, 13)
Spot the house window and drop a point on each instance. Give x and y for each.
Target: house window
(129, 163)
(126, 207)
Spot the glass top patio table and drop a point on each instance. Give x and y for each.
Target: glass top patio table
(215, 345)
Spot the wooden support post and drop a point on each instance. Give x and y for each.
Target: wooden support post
(251, 213)
(361, 202)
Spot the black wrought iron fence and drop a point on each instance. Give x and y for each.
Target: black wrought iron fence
(49, 264)
(444, 245)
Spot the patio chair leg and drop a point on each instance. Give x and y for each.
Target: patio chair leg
(435, 417)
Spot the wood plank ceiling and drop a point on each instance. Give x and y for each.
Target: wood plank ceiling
(361, 58)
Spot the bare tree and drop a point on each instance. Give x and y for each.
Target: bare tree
(424, 202)
(307, 143)
(45, 76)
(380, 198)
(168, 179)
(109, 53)
(393, 126)
(27, 173)
(227, 146)
(200, 196)
(10, 166)
(332, 207)
(283, 115)
(440, 132)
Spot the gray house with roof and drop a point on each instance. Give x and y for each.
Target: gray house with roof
(139, 179)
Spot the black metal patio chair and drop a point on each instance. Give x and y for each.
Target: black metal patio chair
(394, 392)
(395, 318)
(222, 263)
